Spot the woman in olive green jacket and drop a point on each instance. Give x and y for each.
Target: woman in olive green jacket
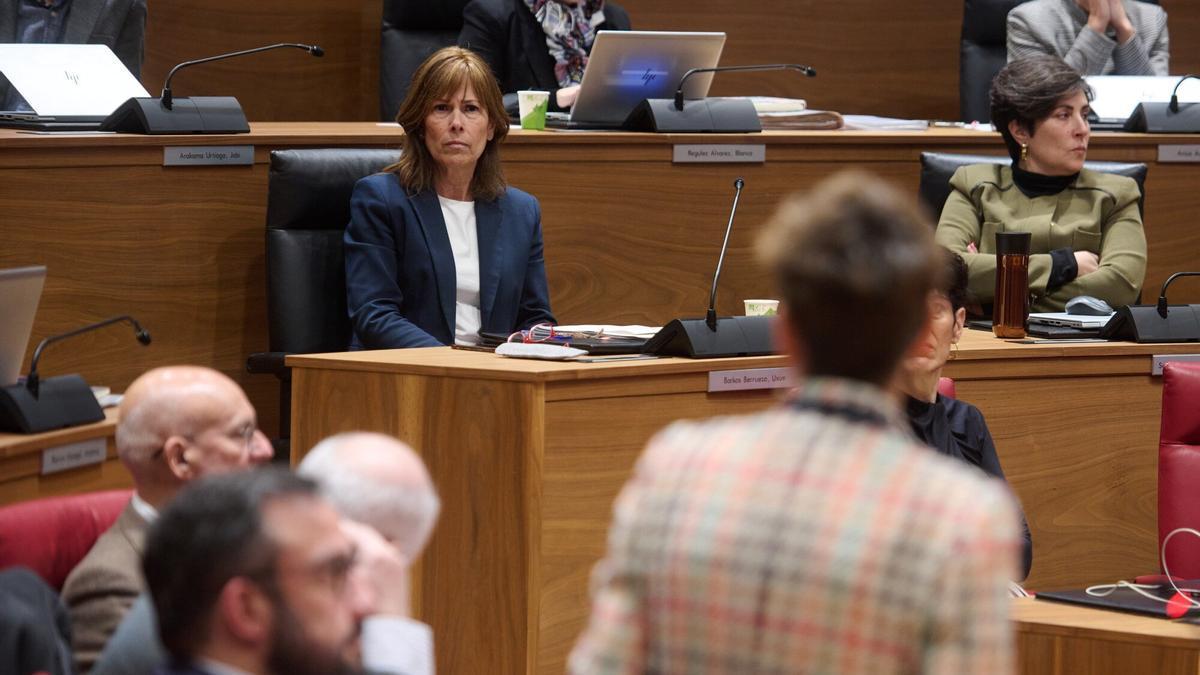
(1086, 227)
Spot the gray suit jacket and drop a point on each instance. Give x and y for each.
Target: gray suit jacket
(1059, 27)
(103, 586)
(120, 24)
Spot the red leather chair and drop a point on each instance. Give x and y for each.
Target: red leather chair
(1179, 467)
(946, 387)
(50, 536)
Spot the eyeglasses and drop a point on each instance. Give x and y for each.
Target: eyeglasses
(542, 332)
(244, 434)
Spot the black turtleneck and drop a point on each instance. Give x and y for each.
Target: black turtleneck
(1063, 267)
(957, 429)
(1040, 185)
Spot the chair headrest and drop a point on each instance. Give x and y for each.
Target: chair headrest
(310, 189)
(424, 14)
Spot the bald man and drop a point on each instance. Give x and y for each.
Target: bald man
(382, 487)
(176, 424)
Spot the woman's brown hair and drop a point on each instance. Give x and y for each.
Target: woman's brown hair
(1028, 90)
(443, 74)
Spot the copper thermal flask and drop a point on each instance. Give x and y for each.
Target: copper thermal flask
(1010, 310)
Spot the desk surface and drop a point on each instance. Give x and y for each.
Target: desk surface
(1060, 618)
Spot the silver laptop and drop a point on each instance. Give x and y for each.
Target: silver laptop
(1065, 320)
(20, 290)
(1117, 95)
(626, 67)
(68, 87)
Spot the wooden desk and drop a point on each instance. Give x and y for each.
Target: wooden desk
(528, 457)
(1060, 639)
(630, 236)
(21, 476)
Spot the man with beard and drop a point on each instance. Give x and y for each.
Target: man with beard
(253, 573)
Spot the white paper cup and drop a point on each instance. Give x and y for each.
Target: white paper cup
(533, 105)
(761, 307)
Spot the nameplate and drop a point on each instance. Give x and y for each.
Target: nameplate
(74, 455)
(702, 153)
(208, 155)
(752, 378)
(1156, 366)
(1179, 153)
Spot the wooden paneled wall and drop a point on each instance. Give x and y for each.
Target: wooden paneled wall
(873, 56)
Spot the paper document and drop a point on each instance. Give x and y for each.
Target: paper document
(596, 329)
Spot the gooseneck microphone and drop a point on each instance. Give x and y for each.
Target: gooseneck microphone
(1162, 294)
(714, 336)
(710, 318)
(33, 382)
(167, 99)
(1174, 104)
(731, 69)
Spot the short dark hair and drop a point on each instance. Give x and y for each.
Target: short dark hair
(210, 533)
(954, 279)
(855, 262)
(441, 75)
(1027, 91)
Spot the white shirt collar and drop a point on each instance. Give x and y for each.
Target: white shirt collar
(143, 508)
(218, 668)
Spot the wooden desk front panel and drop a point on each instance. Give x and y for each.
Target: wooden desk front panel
(591, 447)
(1061, 639)
(21, 475)
(1076, 428)
(482, 443)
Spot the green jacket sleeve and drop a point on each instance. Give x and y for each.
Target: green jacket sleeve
(1122, 253)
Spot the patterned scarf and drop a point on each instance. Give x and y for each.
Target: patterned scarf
(570, 31)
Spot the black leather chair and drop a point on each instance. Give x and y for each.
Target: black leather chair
(982, 53)
(308, 207)
(938, 167)
(412, 30)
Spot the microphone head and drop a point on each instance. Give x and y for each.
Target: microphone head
(316, 50)
(811, 72)
(738, 183)
(143, 337)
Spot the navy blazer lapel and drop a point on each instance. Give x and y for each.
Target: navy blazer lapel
(441, 256)
(489, 218)
(81, 20)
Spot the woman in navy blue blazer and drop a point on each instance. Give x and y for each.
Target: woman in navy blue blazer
(438, 247)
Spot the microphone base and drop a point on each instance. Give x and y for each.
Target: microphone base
(692, 338)
(63, 401)
(1142, 323)
(1157, 118)
(195, 115)
(706, 115)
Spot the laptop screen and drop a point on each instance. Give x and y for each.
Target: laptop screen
(20, 290)
(69, 80)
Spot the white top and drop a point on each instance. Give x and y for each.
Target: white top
(464, 242)
(144, 509)
(396, 644)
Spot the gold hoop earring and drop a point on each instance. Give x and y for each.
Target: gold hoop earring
(1024, 152)
(953, 351)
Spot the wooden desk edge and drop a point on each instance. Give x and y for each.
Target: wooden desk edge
(1046, 617)
(489, 366)
(12, 445)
